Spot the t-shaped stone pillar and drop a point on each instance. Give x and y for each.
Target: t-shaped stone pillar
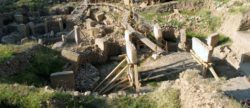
(60, 24)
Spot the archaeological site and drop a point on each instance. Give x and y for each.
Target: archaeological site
(124, 53)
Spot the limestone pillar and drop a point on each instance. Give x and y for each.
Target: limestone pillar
(46, 25)
(60, 24)
(212, 40)
(183, 40)
(77, 34)
(158, 34)
(130, 48)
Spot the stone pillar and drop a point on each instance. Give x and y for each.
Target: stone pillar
(183, 40)
(158, 34)
(46, 25)
(77, 34)
(130, 48)
(103, 45)
(32, 28)
(60, 24)
(63, 38)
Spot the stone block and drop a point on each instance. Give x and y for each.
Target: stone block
(201, 49)
(70, 55)
(77, 34)
(90, 23)
(100, 16)
(213, 39)
(19, 18)
(63, 80)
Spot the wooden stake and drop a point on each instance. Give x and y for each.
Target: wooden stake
(136, 76)
(214, 73)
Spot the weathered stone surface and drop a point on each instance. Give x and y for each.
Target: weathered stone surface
(70, 55)
(63, 80)
(201, 49)
(86, 77)
(100, 16)
(213, 39)
(24, 40)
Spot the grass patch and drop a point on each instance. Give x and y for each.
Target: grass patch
(31, 97)
(222, 38)
(239, 9)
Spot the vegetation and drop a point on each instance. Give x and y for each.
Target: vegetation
(8, 51)
(30, 97)
(42, 63)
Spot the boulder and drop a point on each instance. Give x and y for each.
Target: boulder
(63, 80)
(58, 45)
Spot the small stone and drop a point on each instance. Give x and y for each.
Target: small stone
(87, 93)
(76, 93)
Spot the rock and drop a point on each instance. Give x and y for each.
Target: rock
(95, 32)
(63, 80)
(155, 56)
(10, 39)
(87, 93)
(58, 45)
(24, 40)
(122, 93)
(76, 93)
(70, 55)
(112, 95)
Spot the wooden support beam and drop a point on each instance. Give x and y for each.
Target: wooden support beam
(111, 73)
(118, 75)
(115, 85)
(214, 73)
